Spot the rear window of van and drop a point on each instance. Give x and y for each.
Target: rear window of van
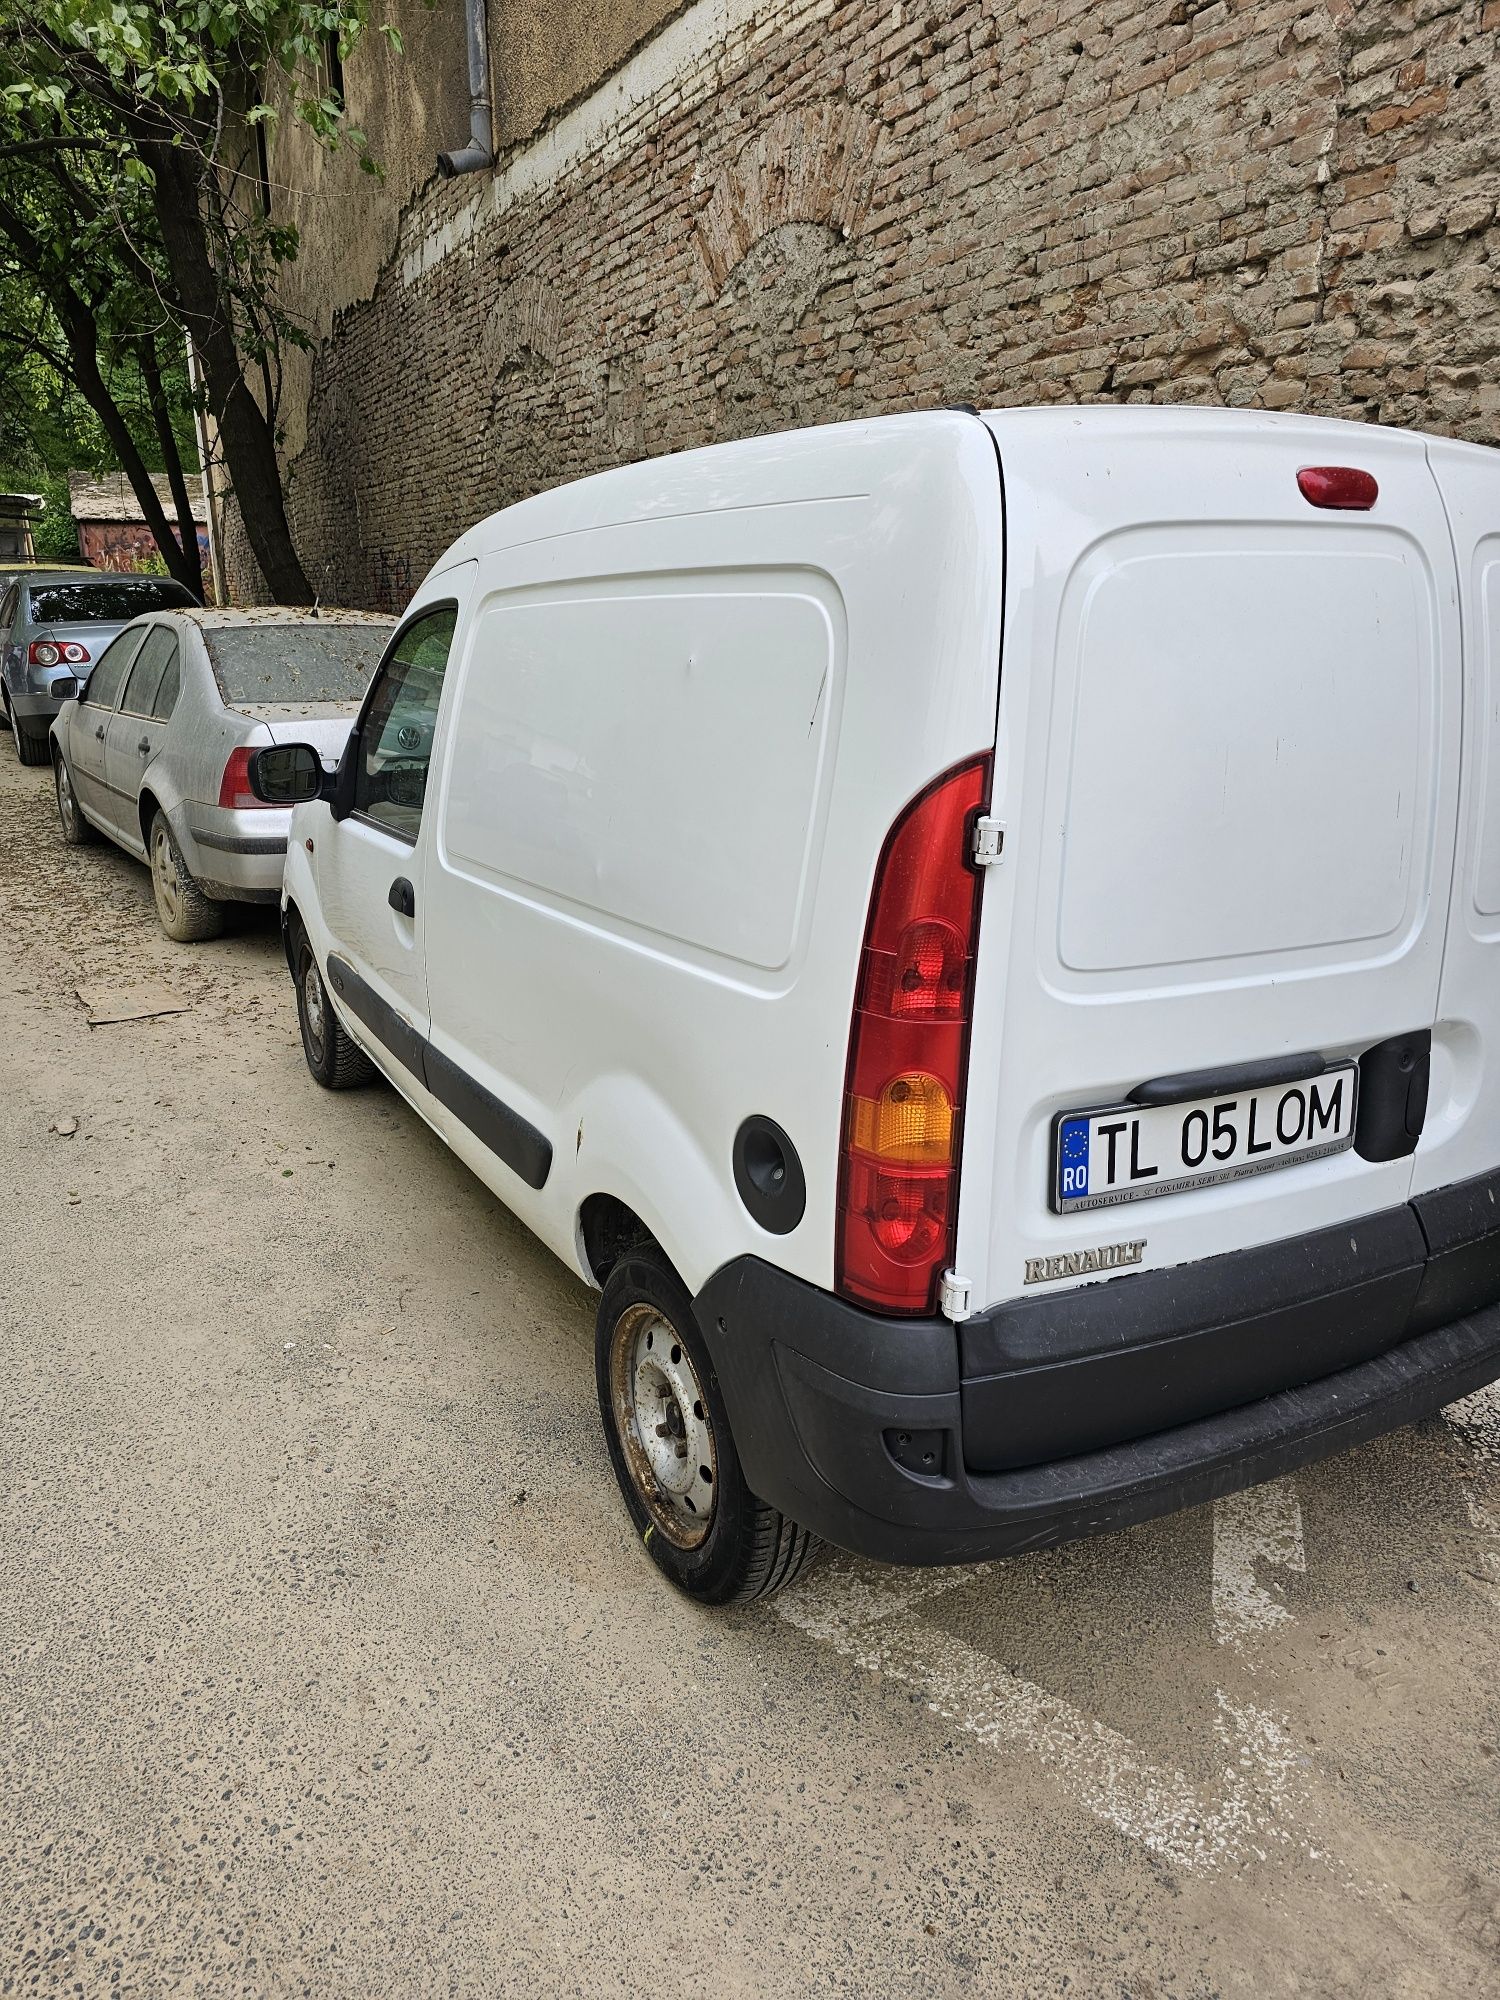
(256, 664)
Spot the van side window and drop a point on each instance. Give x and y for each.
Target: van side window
(395, 738)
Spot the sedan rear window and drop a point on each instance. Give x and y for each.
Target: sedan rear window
(276, 663)
(110, 601)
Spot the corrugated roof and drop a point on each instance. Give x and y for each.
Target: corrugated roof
(109, 496)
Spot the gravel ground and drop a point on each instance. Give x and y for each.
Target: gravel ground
(332, 1666)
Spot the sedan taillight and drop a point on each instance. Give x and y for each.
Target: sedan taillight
(56, 653)
(234, 786)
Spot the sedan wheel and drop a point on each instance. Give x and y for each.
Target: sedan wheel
(30, 749)
(186, 914)
(76, 830)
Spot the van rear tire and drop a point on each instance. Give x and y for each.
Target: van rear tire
(671, 1447)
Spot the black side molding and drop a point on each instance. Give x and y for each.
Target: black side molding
(383, 1022)
(509, 1136)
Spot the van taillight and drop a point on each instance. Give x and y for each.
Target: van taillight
(1345, 488)
(909, 1051)
(234, 786)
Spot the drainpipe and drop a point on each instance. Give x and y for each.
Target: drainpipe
(480, 151)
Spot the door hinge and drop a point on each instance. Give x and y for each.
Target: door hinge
(953, 1298)
(989, 841)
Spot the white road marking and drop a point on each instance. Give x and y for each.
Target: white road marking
(1261, 1528)
(1476, 1419)
(860, 1613)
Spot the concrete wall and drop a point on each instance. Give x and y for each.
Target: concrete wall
(788, 213)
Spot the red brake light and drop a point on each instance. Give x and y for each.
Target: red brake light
(234, 786)
(908, 1052)
(49, 652)
(1340, 486)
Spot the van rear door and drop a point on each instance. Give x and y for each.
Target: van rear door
(1462, 1136)
(1227, 773)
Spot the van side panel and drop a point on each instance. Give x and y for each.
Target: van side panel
(689, 700)
(649, 753)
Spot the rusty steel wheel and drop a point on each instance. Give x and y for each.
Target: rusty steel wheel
(662, 1418)
(671, 1445)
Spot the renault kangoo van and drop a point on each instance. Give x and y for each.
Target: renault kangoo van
(980, 935)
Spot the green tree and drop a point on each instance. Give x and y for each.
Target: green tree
(162, 101)
(83, 329)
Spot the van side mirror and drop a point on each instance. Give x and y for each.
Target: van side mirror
(65, 687)
(285, 774)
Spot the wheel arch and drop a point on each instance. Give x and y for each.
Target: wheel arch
(147, 806)
(292, 925)
(609, 1229)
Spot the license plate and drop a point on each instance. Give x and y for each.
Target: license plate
(1130, 1152)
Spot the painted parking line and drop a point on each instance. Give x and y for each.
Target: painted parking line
(1254, 1532)
(1476, 1420)
(866, 1615)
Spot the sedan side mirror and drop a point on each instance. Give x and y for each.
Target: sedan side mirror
(285, 774)
(65, 687)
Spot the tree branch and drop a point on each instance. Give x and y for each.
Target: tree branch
(57, 142)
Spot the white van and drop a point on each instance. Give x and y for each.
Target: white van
(981, 935)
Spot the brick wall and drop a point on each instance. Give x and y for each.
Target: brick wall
(778, 216)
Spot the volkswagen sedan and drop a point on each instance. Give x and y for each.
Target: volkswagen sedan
(53, 627)
(151, 749)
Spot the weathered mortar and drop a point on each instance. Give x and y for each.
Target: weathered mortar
(844, 209)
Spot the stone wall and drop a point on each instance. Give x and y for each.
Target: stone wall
(786, 214)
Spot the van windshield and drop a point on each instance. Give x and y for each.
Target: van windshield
(110, 601)
(303, 662)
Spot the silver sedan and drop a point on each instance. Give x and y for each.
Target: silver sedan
(53, 626)
(151, 750)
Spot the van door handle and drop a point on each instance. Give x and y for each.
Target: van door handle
(99, 732)
(403, 898)
(144, 746)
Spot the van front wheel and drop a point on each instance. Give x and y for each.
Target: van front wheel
(337, 1062)
(670, 1444)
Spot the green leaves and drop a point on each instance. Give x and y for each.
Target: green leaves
(190, 57)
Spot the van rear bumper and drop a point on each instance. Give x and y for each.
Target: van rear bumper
(855, 1425)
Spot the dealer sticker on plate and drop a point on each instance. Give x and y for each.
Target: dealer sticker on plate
(1129, 1152)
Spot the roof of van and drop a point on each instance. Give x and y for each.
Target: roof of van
(658, 488)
